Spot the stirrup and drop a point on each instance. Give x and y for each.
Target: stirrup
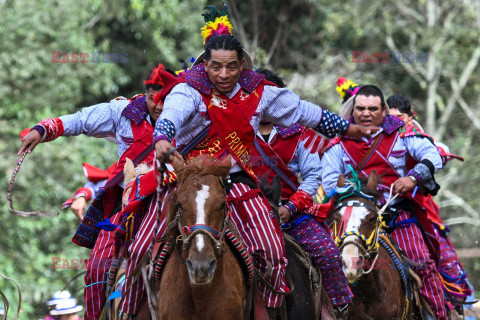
(341, 313)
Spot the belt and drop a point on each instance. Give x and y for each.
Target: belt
(239, 177)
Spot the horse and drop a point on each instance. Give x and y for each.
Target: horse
(381, 291)
(203, 278)
(308, 299)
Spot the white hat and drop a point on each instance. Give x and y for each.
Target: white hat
(57, 296)
(66, 306)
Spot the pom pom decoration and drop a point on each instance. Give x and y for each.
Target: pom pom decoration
(216, 23)
(155, 77)
(346, 88)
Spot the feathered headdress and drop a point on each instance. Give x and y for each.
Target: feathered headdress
(155, 77)
(346, 88)
(216, 22)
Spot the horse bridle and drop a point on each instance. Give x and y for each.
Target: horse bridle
(187, 233)
(371, 242)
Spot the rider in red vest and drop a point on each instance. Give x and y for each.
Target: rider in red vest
(96, 179)
(454, 278)
(129, 123)
(386, 152)
(283, 152)
(217, 112)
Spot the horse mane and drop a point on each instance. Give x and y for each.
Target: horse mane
(202, 165)
(363, 188)
(370, 192)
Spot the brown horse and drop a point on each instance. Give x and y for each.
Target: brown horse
(377, 285)
(202, 279)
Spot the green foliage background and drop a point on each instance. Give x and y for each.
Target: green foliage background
(315, 40)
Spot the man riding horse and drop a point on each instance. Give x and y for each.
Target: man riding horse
(386, 152)
(217, 111)
(281, 151)
(129, 123)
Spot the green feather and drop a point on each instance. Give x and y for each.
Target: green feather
(213, 12)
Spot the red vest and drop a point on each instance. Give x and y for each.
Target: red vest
(271, 159)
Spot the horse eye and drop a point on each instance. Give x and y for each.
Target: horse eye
(223, 205)
(179, 205)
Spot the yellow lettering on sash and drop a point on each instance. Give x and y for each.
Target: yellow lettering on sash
(232, 135)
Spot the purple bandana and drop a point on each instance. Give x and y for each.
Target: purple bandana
(197, 78)
(136, 110)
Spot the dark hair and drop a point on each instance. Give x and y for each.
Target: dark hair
(272, 77)
(370, 90)
(401, 103)
(225, 42)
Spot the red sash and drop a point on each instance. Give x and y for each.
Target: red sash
(356, 150)
(139, 151)
(272, 159)
(231, 131)
(378, 160)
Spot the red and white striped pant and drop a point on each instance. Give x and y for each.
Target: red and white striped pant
(261, 233)
(410, 239)
(132, 292)
(96, 277)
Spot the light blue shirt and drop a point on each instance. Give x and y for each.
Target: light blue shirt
(185, 108)
(102, 120)
(334, 160)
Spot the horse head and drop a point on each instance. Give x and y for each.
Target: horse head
(201, 214)
(356, 223)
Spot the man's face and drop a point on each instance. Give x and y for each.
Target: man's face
(368, 111)
(404, 116)
(153, 109)
(223, 69)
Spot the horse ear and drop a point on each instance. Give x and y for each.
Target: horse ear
(226, 162)
(372, 182)
(129, 172)
(341, 181)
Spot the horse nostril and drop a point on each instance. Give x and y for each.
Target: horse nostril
(189, 265)
(212, 266)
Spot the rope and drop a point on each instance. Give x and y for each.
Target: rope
(10, 193)
(6, 301)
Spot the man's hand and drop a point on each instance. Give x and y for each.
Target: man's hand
(403, 185)
(30, 141)
(78, 207)
(357, 131)
(284, 214)
(161, 149)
